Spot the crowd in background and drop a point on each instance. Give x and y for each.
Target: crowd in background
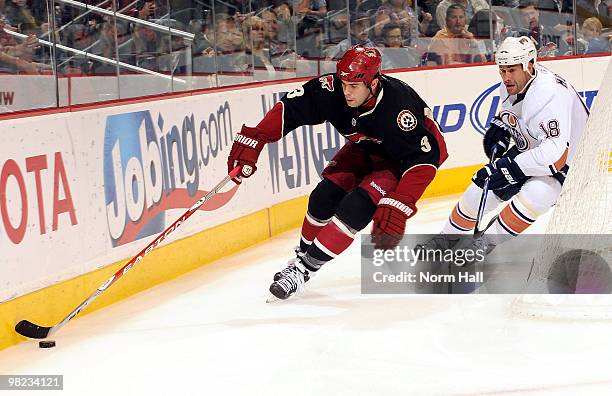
(234, 36)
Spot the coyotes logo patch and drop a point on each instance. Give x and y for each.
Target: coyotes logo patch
(406, 120)
(327, 82)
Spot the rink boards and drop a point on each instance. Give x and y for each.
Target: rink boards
(84, 189)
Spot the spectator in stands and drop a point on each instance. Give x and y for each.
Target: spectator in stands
(81, 37)
(146, 47)
(15, 56)
(39, 11)
(395, 54)
(147, 9)
(455, 44)
(392, 34)
(505, 3)
(530, 19)
(20, 15)
(548, 39)
(179, 10)
(591, 37)
(286, 31)
(173, 49)
(401, 12)
(429, 7)
(311, 14)
(229, 42)
(233, 8)
(471, 7)
(360, 28)
(281, 53)
(600, 9)
(365, 6)
(558, 16)
(313, 8)
(112, 34)
(270, 21)
(202, 43)
(257, 54)
(480, 26)
(556, 6)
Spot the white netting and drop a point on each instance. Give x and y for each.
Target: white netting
(584, 207)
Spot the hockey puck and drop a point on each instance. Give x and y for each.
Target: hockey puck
(46, 344)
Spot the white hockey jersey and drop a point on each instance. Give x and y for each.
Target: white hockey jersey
(547, 120)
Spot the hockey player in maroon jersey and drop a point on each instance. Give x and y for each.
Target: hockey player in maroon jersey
(393, 152)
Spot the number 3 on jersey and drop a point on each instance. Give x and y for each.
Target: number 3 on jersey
(296, 92)
(425, 146)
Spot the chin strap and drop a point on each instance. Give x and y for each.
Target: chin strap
(373, 95)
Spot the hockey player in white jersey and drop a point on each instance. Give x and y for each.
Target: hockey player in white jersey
(543, 116)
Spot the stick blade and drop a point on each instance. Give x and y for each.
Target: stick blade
(31, 330)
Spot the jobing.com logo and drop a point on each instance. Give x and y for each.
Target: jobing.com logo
(150, 167)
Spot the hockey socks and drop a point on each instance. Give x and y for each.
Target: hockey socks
(354, 213)
(322, 205)
(459, 221)
(332, 240)
(310, 229)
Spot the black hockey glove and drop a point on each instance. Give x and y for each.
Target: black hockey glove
(503, 173)
(498, 135)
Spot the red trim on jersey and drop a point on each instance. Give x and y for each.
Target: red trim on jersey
(414, 182)
(433, 127)
(272, 123)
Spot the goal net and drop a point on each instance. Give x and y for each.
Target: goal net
(584, 214)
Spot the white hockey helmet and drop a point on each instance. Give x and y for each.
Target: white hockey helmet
(515, 51)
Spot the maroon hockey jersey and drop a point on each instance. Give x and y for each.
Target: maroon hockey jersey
(399, 126)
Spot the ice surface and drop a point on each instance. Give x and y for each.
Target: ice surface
(210, 332)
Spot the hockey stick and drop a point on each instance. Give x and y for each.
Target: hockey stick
(483, 197)
(31, 330)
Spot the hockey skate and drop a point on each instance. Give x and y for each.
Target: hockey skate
(482, 246)
(438, 242)
(290, 264)
(290, 280)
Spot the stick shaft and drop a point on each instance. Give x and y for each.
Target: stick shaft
(137, 258)
(483, 197)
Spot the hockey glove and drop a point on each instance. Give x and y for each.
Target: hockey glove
(498, 135)
(503, 173)
(245, 151)
(390, 220)
(562, 174)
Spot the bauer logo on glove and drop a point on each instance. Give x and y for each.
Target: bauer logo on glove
(503, 173)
